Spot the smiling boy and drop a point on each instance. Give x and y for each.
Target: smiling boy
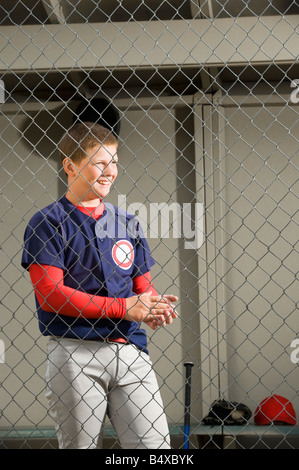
(91, 298)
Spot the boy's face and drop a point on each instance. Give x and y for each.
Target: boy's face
(94, 175)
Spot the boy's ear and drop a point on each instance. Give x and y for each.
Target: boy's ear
(68, 167)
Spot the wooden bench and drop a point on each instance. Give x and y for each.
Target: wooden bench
(201, 436)
(226, 437)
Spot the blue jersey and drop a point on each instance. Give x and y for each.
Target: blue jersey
(99, 257)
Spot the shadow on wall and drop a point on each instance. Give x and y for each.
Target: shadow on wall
(42, 131)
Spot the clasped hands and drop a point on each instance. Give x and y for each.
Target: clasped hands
(154, 310)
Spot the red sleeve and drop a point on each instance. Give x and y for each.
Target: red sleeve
(143, 283)
(54, 296)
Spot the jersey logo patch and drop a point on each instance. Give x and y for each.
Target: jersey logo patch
(123, 254)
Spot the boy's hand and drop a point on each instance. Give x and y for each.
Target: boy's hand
(154, 310)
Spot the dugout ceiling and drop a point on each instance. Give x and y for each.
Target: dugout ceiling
(63, 50)
(79, 11)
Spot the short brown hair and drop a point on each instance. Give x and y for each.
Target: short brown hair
(82, 136)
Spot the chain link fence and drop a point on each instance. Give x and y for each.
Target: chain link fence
(207, 92)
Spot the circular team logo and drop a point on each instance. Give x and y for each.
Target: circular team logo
(123, 254)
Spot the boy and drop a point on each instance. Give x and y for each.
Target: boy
(92, 291)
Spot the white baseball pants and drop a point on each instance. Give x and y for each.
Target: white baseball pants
(88, 379)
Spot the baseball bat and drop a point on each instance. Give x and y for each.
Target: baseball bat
(188, 366)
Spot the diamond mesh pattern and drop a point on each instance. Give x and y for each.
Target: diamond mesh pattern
(207, 93)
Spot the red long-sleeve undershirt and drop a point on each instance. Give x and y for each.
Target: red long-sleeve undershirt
(54, 296)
